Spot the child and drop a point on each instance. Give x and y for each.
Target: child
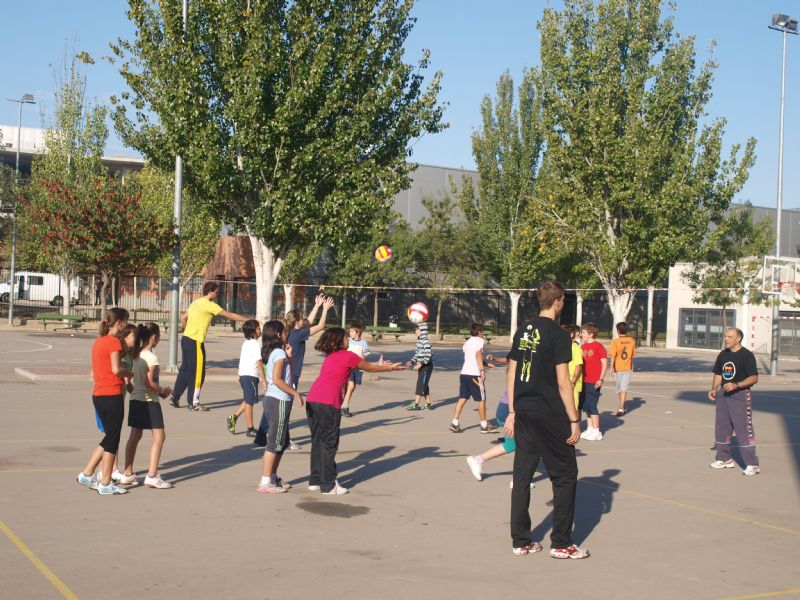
(277, 405)
(422, 361)
(109, 381)
(324, 401)
(360, 347)
(144, 410)
(594, 369)
(471, 380)
(622, 351)
(576, 364)
(250, 375)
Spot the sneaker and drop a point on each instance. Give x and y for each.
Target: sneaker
(293, 446)
(126, 479)
(157, 483)
(174, 402)
(313, 488)
(595, 435)
(586, 433)
(116, 475)
(262, 443)
(346, 412)
(413, 406)
(270, 488)
(531, 548)
(199, 408)
(489, 428)
(475, 467)
(620, 412)
(428, 406)
(570, 552)
(252, 432)
(110, 490)
(723, 464)
(283, 484)
(455, 428)
(232, 423)
(89, 482)
(337, 490)
(751, 470)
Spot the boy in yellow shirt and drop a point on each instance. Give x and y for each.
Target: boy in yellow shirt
(576, 364)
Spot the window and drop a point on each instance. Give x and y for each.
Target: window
(35, 280)
(704, 327)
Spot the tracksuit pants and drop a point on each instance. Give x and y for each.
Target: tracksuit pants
(192, 372)
(542, 436)
(324, 421)
(735, 415)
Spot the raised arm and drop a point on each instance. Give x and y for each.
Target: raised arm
(326, 306)
(317, 303)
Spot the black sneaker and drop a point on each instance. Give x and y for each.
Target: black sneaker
(346, 412)
(251, 432)
(174, 402)
(455, 428)
(259, 442)
(489, 428)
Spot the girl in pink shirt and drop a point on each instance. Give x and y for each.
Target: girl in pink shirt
(323, 402)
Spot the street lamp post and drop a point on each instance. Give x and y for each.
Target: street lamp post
(26, 99)
(785, 24)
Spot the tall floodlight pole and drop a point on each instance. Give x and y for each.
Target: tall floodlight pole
(26, 99)
(785, 24)
(175, 299)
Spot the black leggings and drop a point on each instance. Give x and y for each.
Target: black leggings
(111, 410)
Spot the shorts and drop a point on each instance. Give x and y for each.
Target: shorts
(250, 388)
(591, 399)
(423, 380)
(277, 412)
(623, 380)
(111, 410)
(469, 386)
(145, 415)
(356, 376)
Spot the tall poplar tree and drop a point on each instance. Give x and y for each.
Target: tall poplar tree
(632, 176)
(293, 117)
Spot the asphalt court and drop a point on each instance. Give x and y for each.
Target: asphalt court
(658, 522)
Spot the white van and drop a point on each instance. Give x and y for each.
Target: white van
(33, 286)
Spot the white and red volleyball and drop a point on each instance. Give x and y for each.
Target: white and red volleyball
(383, 253)
(417, 313)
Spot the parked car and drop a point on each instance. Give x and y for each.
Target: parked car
(34, 286)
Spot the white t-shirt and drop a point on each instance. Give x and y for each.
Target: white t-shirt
(141, 366)
(471, 346)
(250, 358)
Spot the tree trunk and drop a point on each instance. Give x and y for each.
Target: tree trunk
(620, 305)
(650, 294)
(288, 291)
(344, 308)
(375, 309)
(93, 291)
(267, 266)
(578, 309)
(514, 296)
(135, 299)
(439, 318)
(106, 276)
(66, 291)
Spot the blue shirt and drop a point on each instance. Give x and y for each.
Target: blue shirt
(273, 390)
(297, 341)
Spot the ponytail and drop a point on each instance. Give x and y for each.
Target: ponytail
(112, 316)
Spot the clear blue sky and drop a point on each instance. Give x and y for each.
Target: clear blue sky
(472, 42)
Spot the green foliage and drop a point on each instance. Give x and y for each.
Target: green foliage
(631, 180)
(731, 260)
(293, 118)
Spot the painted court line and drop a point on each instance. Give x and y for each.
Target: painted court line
(756, 393)
(51, 577)
(764, 595)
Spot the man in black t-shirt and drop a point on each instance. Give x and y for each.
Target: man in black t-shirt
(543, 420)
(736, 372)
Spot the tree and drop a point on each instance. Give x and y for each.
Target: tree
(200, 230)
(508, 149)
(444, 257)
(731, 261)
(293, 118)
(631, 179)
(295, 269)
(66, 170)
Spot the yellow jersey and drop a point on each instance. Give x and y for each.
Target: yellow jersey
(199, 316)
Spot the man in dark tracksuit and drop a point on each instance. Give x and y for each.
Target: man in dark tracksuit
(736, 372)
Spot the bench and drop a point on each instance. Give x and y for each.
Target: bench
(488, 334)
(73, 322)
(377, 332)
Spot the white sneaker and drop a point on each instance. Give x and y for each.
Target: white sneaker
(337, 490)
(123, 479)
(110, 490)
(294, 446)
(117, 475)
(751, 470)
(157, 482)
(586, 433)
(723, 464)
(595, 436)
(313, 488)
(475, 467)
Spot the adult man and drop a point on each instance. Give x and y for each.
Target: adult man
(543, 420)
(622, 351)
(737, 372)
(196, 320)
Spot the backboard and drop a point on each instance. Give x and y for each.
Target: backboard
(781, 277)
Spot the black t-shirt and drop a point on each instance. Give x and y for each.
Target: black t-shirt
(538, 347)
(735, 366)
